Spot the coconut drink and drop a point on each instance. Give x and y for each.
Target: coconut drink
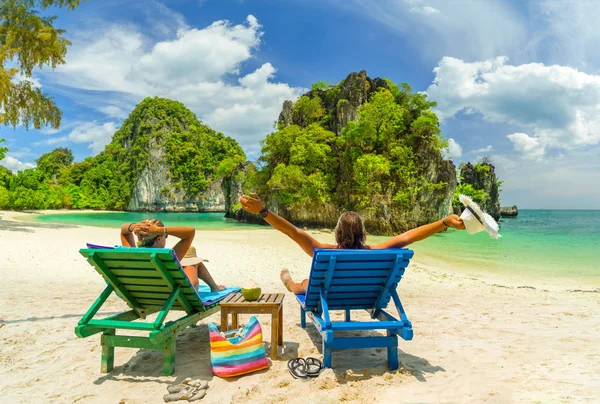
(251, 291)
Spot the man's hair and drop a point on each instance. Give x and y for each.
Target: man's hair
(350, 232)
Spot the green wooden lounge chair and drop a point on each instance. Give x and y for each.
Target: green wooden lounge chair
(149, 280)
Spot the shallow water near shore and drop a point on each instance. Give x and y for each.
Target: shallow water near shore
(538, 243)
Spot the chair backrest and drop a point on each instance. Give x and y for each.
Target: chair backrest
(355, 279)
(145, 277)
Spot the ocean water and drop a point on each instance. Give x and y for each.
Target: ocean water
(560, 244)
(549, 243)
(201, 221)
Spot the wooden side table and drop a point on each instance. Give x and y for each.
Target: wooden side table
(267, 303)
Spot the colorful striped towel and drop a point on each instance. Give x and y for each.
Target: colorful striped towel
(239, 355)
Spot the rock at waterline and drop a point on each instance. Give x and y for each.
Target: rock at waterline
(509, 211)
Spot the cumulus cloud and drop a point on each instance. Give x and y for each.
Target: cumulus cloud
(202, 68)
(557, 105)
(15, 164)
(486, 149)
(97, 135)
(531, 148)
(454, 149)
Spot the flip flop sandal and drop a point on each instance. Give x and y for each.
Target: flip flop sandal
(176, 388)
(184, 394)
(297, 368)
(198, 396)
(313, 367)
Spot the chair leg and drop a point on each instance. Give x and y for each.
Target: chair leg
(327, 338)
(108, 355)
(169, 355)
(302, 318)
(392, 351)
(347, 315)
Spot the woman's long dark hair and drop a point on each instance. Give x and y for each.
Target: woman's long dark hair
(350, 232)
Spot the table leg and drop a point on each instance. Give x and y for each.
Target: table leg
(280, 328)
(234, 321)
(224, 320)
(274, 332)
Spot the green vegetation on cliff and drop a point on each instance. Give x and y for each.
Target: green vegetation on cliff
(192, 154)
(383, 162)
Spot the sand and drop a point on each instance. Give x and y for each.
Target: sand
(477, 338)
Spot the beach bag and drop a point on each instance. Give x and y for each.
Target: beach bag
(241, 354)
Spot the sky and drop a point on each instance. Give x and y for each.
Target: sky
(515, 81)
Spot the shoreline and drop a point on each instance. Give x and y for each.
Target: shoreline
(476, 340)
(431, 263)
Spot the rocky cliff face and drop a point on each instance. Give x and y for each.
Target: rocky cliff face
(509, 211)
(161, 180)
(483, 177)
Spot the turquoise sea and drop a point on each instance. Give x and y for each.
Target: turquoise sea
(548, 243)
(201, 221)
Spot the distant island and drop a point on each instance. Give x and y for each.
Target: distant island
(362, 144)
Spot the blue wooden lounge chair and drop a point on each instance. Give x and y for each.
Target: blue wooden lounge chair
(149, 280)
(351, 280)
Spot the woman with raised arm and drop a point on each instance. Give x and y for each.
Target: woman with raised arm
(152, 233)
(349, 234)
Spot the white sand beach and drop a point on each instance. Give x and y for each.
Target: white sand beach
(476, 339)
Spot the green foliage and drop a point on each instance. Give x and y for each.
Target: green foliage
(482, 169)
(478, 195)
(32, 41)
(5, 176)
(3, 149)
(308, 110)
(374, 163)
(52, 163)
(157, 131)
(321, 85)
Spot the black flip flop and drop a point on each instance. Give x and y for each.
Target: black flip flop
(297, 368)
(313, 367)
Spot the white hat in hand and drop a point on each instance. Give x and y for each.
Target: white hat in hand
(477, 220)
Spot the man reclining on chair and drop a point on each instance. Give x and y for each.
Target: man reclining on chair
(152, 233)
(349, 234)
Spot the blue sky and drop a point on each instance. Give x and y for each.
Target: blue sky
(516, 81)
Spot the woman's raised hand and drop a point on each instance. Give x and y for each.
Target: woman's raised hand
(145, 229)
(252, 203)
(454, 221)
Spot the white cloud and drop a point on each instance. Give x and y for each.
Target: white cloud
(113, 111)
(486, 149)
(97, 135)
(454, 149)
(558, 105)
(15, 164)
(471, 35)
(531, 148)
(424, 10)
(196, 68)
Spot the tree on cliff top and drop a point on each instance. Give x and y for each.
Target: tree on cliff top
(32, 41)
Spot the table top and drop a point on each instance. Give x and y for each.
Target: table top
(265, 299)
